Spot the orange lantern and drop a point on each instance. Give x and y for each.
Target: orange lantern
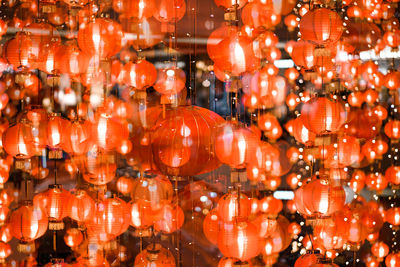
(140, 75)
(169, 219)
(80, 206)
(73, 237)
(321, 26)
(228, 207)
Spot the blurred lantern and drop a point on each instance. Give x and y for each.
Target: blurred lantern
(170, 81)
(380, 250)
(5, 251)
(392, 260)
(228, 206)
(18, 141)
(392, 129)
(142, 217)
(169, 11)
(80, 206)
(30, 223)
(183, 141)
(140, 75)
(321, 26)
(73, 237)
(137, 10)
(169, 219)
(239, 240)
(392, 216)
(155, 255)
(322, 115)
(235, 145)
(211, 225)
(124, 185)
(308, 259)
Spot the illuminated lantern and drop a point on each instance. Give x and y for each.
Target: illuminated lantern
(5, 251)
(321, 26)
(140, 75)
(183, 141)
(99, 169)
(380, 250)
(392, 80)
(169, 10)
(216, 37)
(309, 259)
(124, 185)
(319, 197)
(137, 9)
(211, 226)
(362, 124)
(228, 207)
(107, 131)
(78, 137)
(18, 141)
(271, 89)
(392, 38)
(355, 99)
(392, 216)
(291, 22)
(239, 240)
(169, 219)
(303, 54)
(270, 206)
(235, 145)
(5, 233)
(92, 259)
(392, 129)
(18, 50)
(392, 260)
(80, 206)
(301, 133)
(29, 223)
(392, 175)
(142, 35)
(376, 181)
(54, 201)
(141, 216)
(260, 15)
(278, 240)
(4, 210)
(228, 4)
(322, 115)
(73, 237)
(361, 35)
(55, 128)
(155, 191)
(170, 81)
(100, 37)
(346, 152)
(236, 55)
(155, 255)
(294, 229)
(331, 233)
(72, 60)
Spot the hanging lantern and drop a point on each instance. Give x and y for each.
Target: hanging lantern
(239, 240)
(73, 237)
(321, 26)
(140, 75)
(18, 141)
(228, 207)
(155, 255)
(30, 223)
(169, 219)
(80, 206)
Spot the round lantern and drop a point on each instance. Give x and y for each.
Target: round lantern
(380, 250)
(235, 145)
(319, 197)
(170, 81)
(322, 115)
(392, 216)
(169, 11)
(142, 216)
(18, 141)
(169, 219)
(239, 240)
(140, 75)
(80, 206)
(392, 129)
(183, 141)
(73, 237)
(331, 233)
(101, 37)
(54, 202)
(155, 255)
(392, 260)
(155, 191)
(211, 226)
(137, 9)
(29, 223)
(55, 130)
(308, 259)
(78, 137)
(321, 26)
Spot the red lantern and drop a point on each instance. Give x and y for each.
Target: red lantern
(211, 226)
(169, 10)
(309, 259)
(228, 205)
(380, 250)
(322, 115)
(239, 240)
(392, 260)
(155, 255)
(18, 141)
(139, 75)
(169, 219)
(80, 206)
(54, 202)
(321, 26)
(137, 9)
(170, 81)
(73, 237)
(392, 216)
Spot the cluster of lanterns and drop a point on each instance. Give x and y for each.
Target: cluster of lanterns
(98, 144)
